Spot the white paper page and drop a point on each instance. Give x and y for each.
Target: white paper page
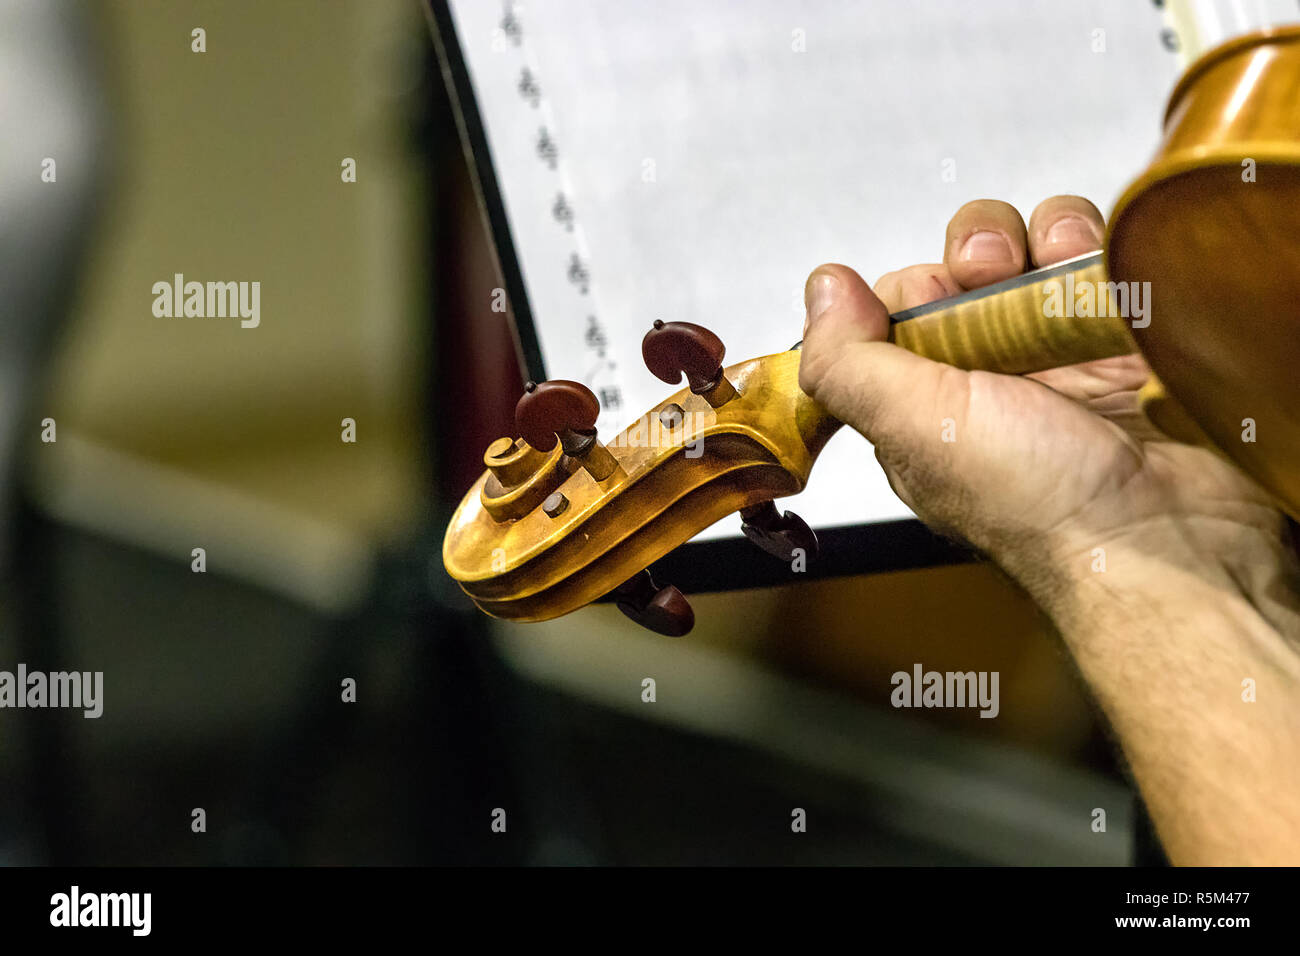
(712, 153)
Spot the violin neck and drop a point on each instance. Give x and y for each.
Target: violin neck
(1058, 315)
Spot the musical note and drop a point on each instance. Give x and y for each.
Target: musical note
(511, 26)
(563, 212)
(546, 147)
(528, 87)
(595, 336)
(578, 273)
(602, 373)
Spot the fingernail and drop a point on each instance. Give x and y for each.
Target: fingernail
(1072, 229)
(819, 294)
(986, 247)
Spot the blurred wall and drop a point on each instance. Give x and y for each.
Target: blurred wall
(850, 635)
(181, 432)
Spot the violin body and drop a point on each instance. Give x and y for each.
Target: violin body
(1212, 229)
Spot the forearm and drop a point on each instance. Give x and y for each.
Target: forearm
(1168, 638)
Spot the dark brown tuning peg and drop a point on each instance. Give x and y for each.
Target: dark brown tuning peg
(567, 411)
(662, 610)
(672, 349)
(778, 534)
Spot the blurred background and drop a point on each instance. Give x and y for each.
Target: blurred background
(222, 689)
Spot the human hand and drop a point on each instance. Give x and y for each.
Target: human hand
(1044, 468)
(1199, 602)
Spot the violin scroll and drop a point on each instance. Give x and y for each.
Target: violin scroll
(548, 530)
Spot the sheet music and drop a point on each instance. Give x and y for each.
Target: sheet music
(693, 160)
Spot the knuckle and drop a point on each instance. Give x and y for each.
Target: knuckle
(810, 370)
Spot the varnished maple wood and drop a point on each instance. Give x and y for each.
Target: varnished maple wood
(1010, 331)
(760, 445)
(1223, 257)
(1221, 250)
(519, 478)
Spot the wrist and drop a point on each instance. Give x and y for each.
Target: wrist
(1078, 573)
(1193, 654)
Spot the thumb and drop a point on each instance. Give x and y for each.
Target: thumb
(847, 366)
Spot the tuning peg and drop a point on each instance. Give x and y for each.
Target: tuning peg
(567, 411)
(776, 533)
(662, 610)
(672, 349)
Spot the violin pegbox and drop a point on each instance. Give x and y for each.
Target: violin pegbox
(561, 518)
(675, 349)
(557, 421)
